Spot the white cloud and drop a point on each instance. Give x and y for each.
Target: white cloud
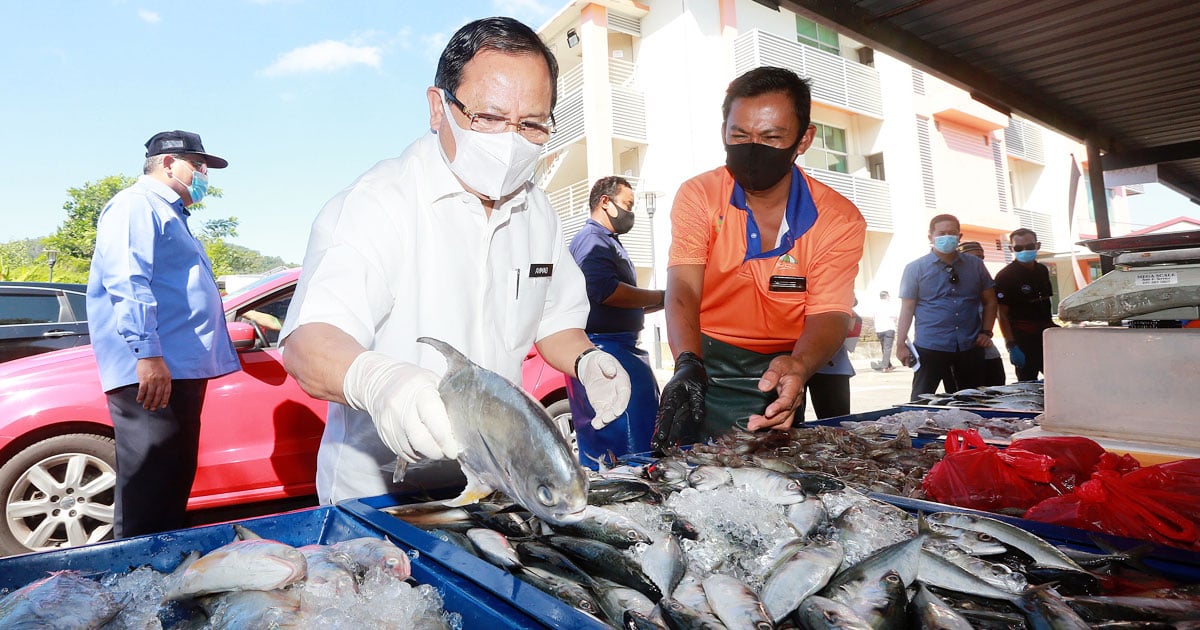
(432, 44)
(148, 16)
(326, 56)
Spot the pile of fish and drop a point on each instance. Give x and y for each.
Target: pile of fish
(865, 459)
(927, 423)
(248, 583)
(670, 545)
(1020, 396)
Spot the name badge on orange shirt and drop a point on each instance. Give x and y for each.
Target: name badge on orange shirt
(788, 284)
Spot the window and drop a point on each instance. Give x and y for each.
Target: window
(30, 308)
(268, 315)
(820, 37)
(78, 306)
(828, 150)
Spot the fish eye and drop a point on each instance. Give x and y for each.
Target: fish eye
(632, 534)
(586, 606)
(892, 578)
(545, 496)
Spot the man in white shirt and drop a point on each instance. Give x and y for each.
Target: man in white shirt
(451, 241)
(886, 314)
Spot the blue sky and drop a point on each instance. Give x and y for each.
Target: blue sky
(301, 96)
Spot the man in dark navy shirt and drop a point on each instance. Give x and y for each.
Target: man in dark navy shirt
(1024, 290)
(617, 316)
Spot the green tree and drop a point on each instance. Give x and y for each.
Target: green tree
(16, 258)
(76, 237)
(219, 229)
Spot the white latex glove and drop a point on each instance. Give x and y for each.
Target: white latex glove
(404, 404)
(606, 384)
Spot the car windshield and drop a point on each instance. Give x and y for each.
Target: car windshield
(267, 277)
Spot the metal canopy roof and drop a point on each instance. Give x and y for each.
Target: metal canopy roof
(1122, 75)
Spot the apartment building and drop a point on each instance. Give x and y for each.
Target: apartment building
(640, 95)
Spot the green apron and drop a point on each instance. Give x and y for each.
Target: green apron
(733, 396)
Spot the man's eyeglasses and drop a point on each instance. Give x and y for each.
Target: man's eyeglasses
(1032, 246)
(535, 132)
(953, 274)
(199, 165)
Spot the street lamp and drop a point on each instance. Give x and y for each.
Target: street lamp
(51, 257)
(651, 201)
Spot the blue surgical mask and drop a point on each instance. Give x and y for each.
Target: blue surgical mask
(945, 243)
(1027, 256)
(199, 186)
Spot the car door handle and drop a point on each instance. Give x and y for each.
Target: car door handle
(58, 333)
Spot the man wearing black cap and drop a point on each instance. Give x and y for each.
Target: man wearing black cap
(158, 331)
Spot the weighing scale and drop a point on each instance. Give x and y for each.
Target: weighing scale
(1156, 281)
(1133, 388)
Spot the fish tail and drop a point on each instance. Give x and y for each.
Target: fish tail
(245, 533)
(399, 471)
(455, 360)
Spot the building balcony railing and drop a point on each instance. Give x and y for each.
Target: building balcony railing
(1023, 140)
(570, 202)
(836, 81)
(1041, 223)
(628, 105)
(872, 196)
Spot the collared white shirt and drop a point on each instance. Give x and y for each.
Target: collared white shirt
(406, 252)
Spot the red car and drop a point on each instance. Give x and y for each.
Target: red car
(258, 440)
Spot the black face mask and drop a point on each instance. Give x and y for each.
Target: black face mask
(758, 166)
(623, 222)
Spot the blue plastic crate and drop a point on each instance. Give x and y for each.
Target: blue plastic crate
(500, 583)
(919, 440)
(323, 525)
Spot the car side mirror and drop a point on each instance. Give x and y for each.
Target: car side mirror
(242, 335)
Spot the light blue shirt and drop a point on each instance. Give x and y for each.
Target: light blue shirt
(151, 291)
(947, 315)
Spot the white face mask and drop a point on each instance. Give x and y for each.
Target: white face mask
(491, 164)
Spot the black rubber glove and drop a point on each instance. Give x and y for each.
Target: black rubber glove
(681, 408)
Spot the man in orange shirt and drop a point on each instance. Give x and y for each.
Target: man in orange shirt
(760, 280)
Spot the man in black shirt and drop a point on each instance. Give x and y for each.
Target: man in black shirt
(1023, 289)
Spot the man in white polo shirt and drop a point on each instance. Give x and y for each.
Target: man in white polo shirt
(452, 241)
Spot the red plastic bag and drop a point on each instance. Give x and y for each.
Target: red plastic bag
(1075, 458)
(977, 475)
(1156, 503)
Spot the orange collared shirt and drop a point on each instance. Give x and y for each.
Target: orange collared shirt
(738, 305)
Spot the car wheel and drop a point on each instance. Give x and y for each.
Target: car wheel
(59, 492)
(560, 412)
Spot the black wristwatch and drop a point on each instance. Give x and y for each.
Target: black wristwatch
(986, 332)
